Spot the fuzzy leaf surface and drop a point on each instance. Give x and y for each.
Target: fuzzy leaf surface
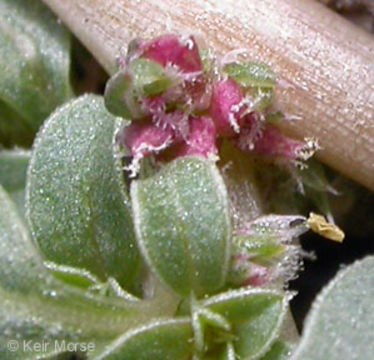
(340, 324)
(35, 306)
(183, 225)
(77, 203)
(251, 74)
(115, 92)
(255, 315)
(162, 340)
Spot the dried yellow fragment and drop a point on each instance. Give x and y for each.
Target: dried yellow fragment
(319, 225)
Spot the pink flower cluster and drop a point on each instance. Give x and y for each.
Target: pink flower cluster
(265, 251)
(191, 108)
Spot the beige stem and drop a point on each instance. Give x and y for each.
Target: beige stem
(325, 64)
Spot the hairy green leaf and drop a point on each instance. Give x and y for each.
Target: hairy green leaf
(115, 92)
(148, 77)
(340, 324)
(21, 277)
(203, 319)
(19, 263)
(142, 77)
(77, 203)
(160, 340)
(183, 225)
(72, 275)
(34, 68)
(34, 306)
(13, 167)
(255, 316)
(249, 74)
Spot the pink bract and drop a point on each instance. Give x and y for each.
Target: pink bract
(171, 50)
(226, 107)
(201, 139)
(258, 275)
(197, 109)
(145, 139)
(273, 143)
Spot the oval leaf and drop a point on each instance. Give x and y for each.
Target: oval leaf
(34, 68)
(162, 340)
(183, 225)
(255, 315)
(77, 205)
(341, 322)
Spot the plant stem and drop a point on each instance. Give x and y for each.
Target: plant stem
(324, 63)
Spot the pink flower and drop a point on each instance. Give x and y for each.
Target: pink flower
(257, 275)
(145, 139)
(201, 139)
(182, 63)
(226, 107)
(245, 272)
(273, 143)
(187, 111)
(171, 50)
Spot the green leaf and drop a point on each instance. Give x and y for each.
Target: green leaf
(258, 79)
(161, 340)
(340, 324)
(227, 352)
(35, 306)
(85, 280)
(21, 276)
(183, 227)
(255, 315)
(261, 248)
(148, 77)
(250, 74)
(13, 165)
(77, 204)
(71, 275)
(19, 263)
(279, 351)
(142, 77)
(202, 318)
(115, 92)
(34, 68)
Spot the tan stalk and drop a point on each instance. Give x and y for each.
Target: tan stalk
(325, 64)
